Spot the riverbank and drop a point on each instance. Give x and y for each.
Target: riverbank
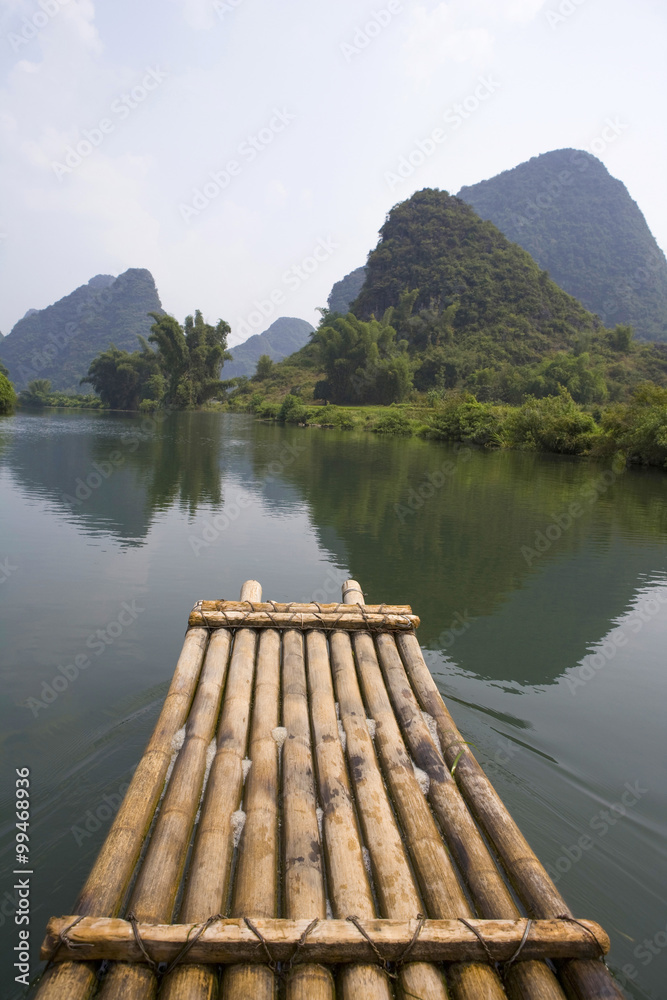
(635, 432)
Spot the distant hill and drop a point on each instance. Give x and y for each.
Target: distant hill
(449, 303)
(59, 342)
(345, 291)
(580, 223)
(283, 337)
(479, 288)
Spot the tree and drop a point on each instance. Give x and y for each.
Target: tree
(7, 395)
(192, 357)
(121, 379)
(37, 393)
(183, 372)
(363, 362)
(264, 367)
(621, 338)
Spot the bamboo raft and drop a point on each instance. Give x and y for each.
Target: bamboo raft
(308, 822)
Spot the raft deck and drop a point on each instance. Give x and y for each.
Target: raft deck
(308, 822)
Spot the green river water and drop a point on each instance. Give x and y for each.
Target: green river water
(541, 583)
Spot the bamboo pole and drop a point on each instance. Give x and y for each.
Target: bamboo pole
(437, 878)
(304, 892)
(207, 885)
(154, 894)
(105, 887)
(348, 882)
(295, 607)
(256, 881)
(394, 883)
(351, 620)
(581, 979)
(229, 940)
(487, 887)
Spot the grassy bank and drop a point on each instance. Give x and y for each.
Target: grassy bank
(637, 430)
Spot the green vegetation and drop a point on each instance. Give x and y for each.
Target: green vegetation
(7, 394)
(636, 430)
(363, 362)
(39, 393)
(345, 291)
(470, 288)
(182, 373)
(58, 343)
(581, 224)
(285, 335)
(475, 344)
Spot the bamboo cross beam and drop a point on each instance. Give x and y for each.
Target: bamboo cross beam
(222, 614)
(230, 941)
(300, 607)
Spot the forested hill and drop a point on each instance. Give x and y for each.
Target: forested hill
(345, 291)
(285, 335)
(59, 342)
(477, 285)
(580, 224)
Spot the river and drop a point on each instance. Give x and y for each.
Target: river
(541, 583)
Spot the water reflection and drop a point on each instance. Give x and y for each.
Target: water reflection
(557, 545)
(111, 473)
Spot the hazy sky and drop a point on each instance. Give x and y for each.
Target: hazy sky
(243, 150)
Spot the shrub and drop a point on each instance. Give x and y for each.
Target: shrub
(392, 423)
(7, 395)
(554, 423)
(292, 410)
(639, 429)
(462, 418)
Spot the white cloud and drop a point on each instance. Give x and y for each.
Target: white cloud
(458, 32)
(438, 39)
(197, 14)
